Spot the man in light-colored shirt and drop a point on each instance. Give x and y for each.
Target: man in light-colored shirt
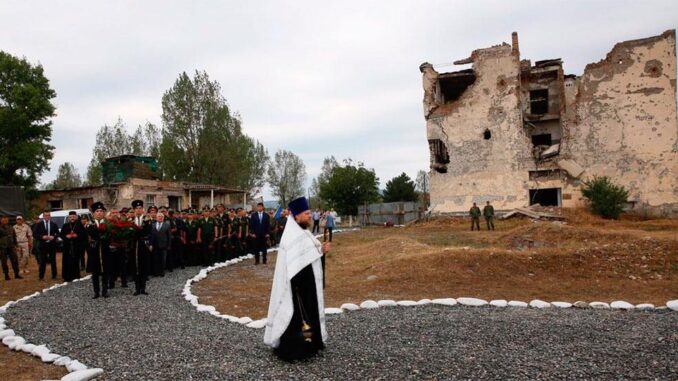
(24, 240)
(316, 221)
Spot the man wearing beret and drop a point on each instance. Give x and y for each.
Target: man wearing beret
(295, 326)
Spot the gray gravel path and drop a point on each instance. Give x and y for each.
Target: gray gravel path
(162, 337)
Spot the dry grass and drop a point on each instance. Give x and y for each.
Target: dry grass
(21, 366)
(586, 259)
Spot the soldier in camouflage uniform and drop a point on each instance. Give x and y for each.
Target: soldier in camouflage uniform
(218, 244)
(475, 217)
(190, 237)
(274, 228)
(240, 229)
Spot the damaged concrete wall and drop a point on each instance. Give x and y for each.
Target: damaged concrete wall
(623, 121)
(618, 119)
(482, 134)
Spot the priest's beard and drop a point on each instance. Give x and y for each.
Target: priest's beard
(303, 224)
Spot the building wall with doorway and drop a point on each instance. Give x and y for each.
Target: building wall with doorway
(515, 132)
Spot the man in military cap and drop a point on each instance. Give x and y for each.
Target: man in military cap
(241, 230)
(206, 236)
(475, 217)
(139, 254)
(119, 253)
(99, 256)
(190, 237)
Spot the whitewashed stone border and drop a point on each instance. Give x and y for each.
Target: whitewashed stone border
(372, 304)
(76, 369)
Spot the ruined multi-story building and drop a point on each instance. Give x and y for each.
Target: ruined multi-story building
(518, 133)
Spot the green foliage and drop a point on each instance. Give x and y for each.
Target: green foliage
(203, 142)
(286, 176)
(607, 199)
(115, 141)
(400, 188)
(25, 125)
(329, 163)
(350, 185)
(67, 177)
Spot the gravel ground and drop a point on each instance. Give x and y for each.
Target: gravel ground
(162, 337)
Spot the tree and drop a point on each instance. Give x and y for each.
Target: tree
(67, 177)
(115, 141)
(400, 188)
(25, 121)
(423, 186)
(329, 163)
(203, 142)
(607, 199)
(350, 185)
(286, 176)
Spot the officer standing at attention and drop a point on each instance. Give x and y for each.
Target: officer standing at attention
(488, 212)
(475, 217)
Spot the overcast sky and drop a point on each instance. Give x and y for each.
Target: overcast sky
(338, 79)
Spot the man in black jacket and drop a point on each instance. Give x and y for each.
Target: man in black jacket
(99, 255)
(72, 233)
(140, 254)
(260, 230)
(47, 231)
(161, 242)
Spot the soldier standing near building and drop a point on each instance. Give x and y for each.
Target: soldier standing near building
(84, 241)
(241, 227)
(24, 240)
(140, 255)
(119, 252)
(475, 217)
(190, 236)
(98, 256)
(488, 212)
(273, 234)
(7, 245)
(206, 237)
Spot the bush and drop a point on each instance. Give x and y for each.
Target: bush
(607, 199)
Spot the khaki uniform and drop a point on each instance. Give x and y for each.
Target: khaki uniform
(24, 237)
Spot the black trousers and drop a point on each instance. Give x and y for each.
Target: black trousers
(119, 259)
(260, 248)
(100, 278)
(11, 254)
(316, 226)
(46, 254)
(475, 223)
(325, 234)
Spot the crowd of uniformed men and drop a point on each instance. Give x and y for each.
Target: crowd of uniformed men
(156, 240)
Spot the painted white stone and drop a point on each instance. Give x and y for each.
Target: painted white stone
(75, 366)
(233, 319)
(205, 308)
(645, 306)
(349, 306)
(561, 304)
(2, 319)
(581, 304)
(6, 332)
(215, 313)
(407, 303)
(9, 339)
(445, 301)
(245, 320)
(62, 361)
(258, 324)
(28, 348)
(599, 305)
(3, 310)
(369, 304)
(536, 303)
(672, 305)
(423, 302)
(83, 375)
(40, 350)
(473, 302)
(621, 305)
(499, 303)
(333, 311)
(387, 303)
(49, 357)
(19, 341)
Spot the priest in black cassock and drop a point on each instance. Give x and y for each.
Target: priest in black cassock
(295, 327)
(72, 234)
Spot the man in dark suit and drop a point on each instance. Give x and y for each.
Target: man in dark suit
(260, 229)
(161, 243)
(47, 231)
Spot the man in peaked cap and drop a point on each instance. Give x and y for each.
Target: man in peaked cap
(99, 255)
(140, 255)
(295, 327)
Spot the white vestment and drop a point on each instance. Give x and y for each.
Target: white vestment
(298, 249)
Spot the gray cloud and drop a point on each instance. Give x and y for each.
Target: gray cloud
(339, 79)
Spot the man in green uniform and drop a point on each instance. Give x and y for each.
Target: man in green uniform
(273, 234)
(7, 244)
(475, 217)
(206, 236)
(192, 247)
(488, 212)
(218, 217)
(240, 229)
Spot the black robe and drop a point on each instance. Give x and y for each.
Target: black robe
(292, 344)
(99, 252)
(139, 254)
(73, 250)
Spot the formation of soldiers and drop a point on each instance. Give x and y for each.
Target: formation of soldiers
(133, 242)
